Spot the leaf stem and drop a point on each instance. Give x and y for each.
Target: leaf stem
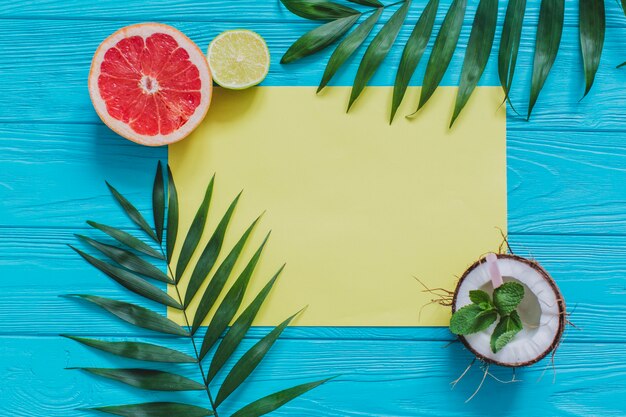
(384, 6)
(193, 341)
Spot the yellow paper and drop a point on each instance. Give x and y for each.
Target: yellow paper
(357, 207)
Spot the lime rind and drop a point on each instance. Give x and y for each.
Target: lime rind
(238, 59)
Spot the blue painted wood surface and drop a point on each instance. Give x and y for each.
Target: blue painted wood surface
(567, 208)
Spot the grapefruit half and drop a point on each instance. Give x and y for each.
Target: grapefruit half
(150, 84)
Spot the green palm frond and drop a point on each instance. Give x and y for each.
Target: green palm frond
(128, 264)
(339, 19)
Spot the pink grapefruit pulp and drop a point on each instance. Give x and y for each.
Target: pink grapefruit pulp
(150, 84)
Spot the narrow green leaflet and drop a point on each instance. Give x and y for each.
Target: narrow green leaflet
(209, 254)
(478, 296)
(128, 260)
(172, 215)
(507, 328)
(509, 44)
(549, 31)
(136, 315)
(195, 232)
(238, 330)
(623, 64)
(274, 401)
(133, 213)
(318, 9)
(477, 53)
(249, 361)
(370, 3)
(131, 281)
(377, 51)
(217, 283)
(136, 350)
(126, 239)
(443, 50)
(318, 38)
(158, 202)
(412, 54)
(147, 379)
(592, 28)
(156, 409)
(507, 297)
(231, 303)
(347, 47)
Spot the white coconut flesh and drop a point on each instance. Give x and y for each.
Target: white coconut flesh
(541, 312)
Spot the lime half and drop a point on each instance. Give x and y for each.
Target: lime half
(238, 59)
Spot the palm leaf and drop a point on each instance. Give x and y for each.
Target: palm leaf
(216, 284)
(130, 281)
(509, 44)
(347, 47)
(128, 269)
(477, 53)
(274, 401)
(412, 54)
(592, 28)
(209, 254)
(148, 379)
(318, 38)
(126, 239)
(318, 9)
(172, 215)
(238, 330)
(158, 202)
(231, 303)
(133, 213)
(370, 3)
(136, 350)
(136, 315)
(377, 51)
(195, 232)
(249, 361)
(127, 259)
(443, 50)
(549, 31)
(155, 409)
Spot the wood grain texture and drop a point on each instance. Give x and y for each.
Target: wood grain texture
(46, 268)
(240, 11)
(62, 96)
(567, 208)
(412, 379)
(559, 182)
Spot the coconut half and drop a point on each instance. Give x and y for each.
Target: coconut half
(542, 311)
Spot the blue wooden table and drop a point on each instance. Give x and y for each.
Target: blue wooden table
(567, 208)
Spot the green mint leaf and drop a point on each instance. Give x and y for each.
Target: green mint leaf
(507, 297)
(483, 320)
(479, 296)
(463, 320)
(507, 328)
(486, 306)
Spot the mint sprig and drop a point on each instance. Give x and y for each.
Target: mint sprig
(483, 312)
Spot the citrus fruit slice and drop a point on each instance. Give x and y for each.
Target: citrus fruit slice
(150, 84)
(238, 59)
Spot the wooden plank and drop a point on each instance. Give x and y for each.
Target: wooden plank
(242, 11)
(53, 176)
(377, 378)
(41, 267)
(56, 74)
